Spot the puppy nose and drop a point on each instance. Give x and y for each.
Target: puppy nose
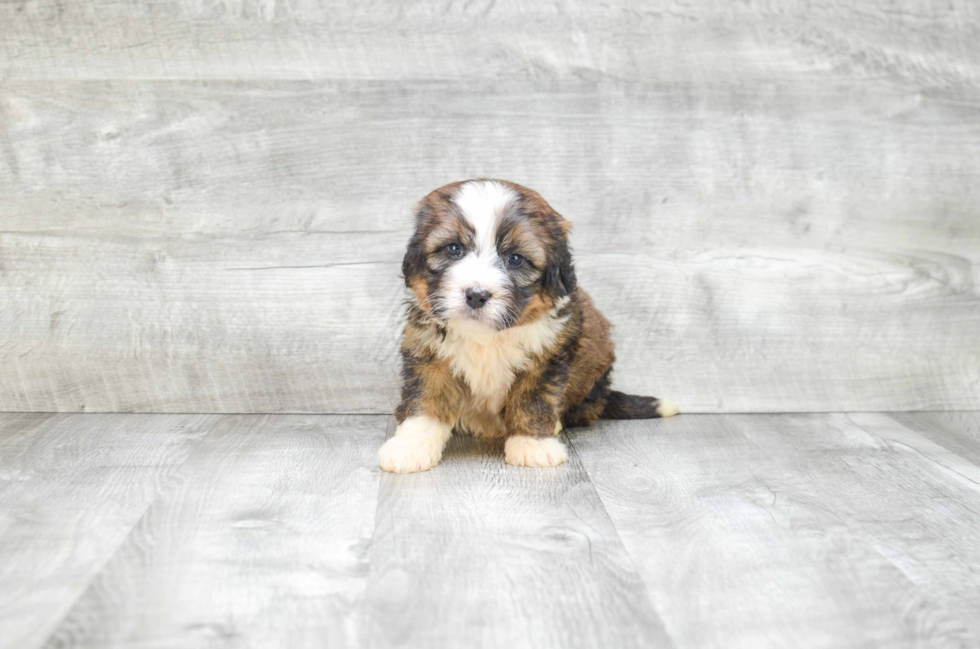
(476, 297)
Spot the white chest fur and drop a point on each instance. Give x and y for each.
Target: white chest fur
(488, 360)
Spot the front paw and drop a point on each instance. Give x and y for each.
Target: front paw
(408, 455)
(416, 446)
(523, 450)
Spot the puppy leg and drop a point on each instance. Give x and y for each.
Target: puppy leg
(416, 446)
(430, 404)
(534, 424)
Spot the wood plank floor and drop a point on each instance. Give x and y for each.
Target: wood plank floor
(802, 530)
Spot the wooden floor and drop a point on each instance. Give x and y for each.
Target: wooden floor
(809, 530)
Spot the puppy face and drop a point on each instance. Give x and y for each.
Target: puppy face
(488, 252)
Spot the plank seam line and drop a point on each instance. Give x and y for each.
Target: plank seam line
(619, 539)
(891, 443)
(125, 537)
(875, 543)
(362, 619)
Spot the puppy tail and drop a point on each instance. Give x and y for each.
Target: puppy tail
(629, 406)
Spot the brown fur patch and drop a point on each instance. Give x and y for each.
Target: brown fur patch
(596, 352)
(420, 289)
(439, 393)
(530, 239)
(535, 401)
(536, 307)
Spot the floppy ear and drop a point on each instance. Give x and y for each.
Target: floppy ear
(559, 274)
(413, 264)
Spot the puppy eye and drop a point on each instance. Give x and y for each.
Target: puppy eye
(454, 250)
(515, 260)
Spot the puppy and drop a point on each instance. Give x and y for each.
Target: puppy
(499, 342)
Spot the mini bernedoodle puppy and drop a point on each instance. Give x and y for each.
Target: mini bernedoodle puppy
(500, 342)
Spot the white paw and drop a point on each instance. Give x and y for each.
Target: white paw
(522, 450)
(667, 408)
(416, 446)
(409, 455)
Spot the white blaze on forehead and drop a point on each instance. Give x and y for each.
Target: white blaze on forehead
(483, 203)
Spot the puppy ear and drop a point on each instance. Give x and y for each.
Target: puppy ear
(559, 275)
(413, 264)
(565, 225)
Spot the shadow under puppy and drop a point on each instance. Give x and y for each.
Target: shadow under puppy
(500, 342)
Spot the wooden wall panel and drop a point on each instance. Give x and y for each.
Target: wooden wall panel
(776, 206)
(710, 42)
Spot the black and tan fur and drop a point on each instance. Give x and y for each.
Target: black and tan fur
(542, 355)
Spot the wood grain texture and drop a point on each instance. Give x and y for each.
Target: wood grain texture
(935, 547)
(260, 541)
(71, 488)
(923, 41)
(477, 553)
(793, 530)
(959, 432)
(800, 243)
(808, 530)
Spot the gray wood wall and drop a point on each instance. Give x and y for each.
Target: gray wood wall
(204, 204)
